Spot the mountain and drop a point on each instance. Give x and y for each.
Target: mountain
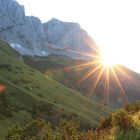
(26, 93)
(31, 37)
(123, 83)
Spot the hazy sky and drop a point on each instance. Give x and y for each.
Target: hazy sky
(113, 24)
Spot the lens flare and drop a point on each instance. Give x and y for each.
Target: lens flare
(2, 88)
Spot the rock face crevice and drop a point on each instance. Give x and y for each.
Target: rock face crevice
(37, 38)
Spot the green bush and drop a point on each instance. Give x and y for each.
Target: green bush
(34, 130)
(69, 130)
(122, 120)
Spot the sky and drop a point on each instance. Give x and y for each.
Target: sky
(113, 24)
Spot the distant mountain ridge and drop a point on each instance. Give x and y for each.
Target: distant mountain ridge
(36, 38)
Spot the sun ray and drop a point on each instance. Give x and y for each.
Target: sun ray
(107, 84)
(92, 55)
(82, 65)
(123, 72)
(97, 81)
(120, 86)
(128, 77)
(89, 74)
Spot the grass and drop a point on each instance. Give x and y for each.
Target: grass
(21, 116)
(69, 72)
(26, 88)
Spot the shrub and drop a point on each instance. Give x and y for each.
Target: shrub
(14, 132)
(89, 135)
(122, 120)
(105, 123)
(69, 130)
(34, 130)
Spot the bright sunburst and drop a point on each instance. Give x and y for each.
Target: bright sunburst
(102, 69)
(107, 59)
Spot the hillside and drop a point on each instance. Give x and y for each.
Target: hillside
(26, 93)
(123, 85)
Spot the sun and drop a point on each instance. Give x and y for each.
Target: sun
(108, 59)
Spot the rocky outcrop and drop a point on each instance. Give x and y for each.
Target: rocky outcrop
(36, 38)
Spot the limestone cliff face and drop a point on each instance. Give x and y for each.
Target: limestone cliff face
(36, 38)
(68, 38)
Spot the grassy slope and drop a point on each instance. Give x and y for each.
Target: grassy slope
(59, 68)
(26, 88)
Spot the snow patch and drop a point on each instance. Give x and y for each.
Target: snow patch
(13, 45)
(44, 53)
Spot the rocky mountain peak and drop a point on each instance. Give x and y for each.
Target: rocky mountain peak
(11, 8)
(36, 38)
